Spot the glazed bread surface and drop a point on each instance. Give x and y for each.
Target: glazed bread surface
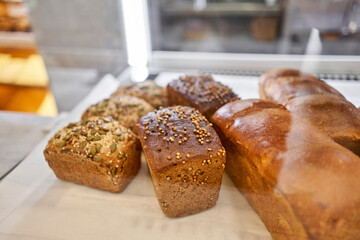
(201, 92)
(185, 158)
(127, 110)
(281, 85)
(97, 152)
(334, 115)
(148, 90)
(302, 184)
(315, 101)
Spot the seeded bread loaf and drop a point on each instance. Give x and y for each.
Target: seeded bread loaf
(201, 92)
(125, 109)
(301, 183)
(97, 152)
(315, 101)
(147, 90)
(185, 159)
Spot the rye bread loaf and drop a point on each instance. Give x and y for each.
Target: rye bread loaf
(185, 158)
(97, 152)
(201, 92)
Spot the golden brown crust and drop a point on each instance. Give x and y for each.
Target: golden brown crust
(329, 113)
(267, 79)
(297, 179)
(201, 92)
(127, 110)
(286, 88)
(185, 158)
(314, 100)
(147, 90)
(97, 152)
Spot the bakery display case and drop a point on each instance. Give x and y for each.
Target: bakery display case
(239, 26)
(192, 119)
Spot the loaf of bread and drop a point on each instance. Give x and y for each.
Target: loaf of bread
(147, 90)
(127, 110)
(302, 184)
(185, 158)
(97, 152)
(282, 85)
(201, 92)
(333, 115)
(315, 101)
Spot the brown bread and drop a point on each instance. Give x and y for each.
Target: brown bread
(147, 90)
(201, 92)
(97, 152)
(185, 158)
(302, 184)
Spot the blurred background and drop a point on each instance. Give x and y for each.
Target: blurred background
(52, 53)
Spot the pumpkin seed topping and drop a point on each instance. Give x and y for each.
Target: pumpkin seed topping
(98, 147)
(82, 144)
(93, 151)
(113, 147)
(90, 138)
(97, 158)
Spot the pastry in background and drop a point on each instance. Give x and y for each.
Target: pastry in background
(147, 90)
(185, 158)
(97, 152)
(201, 92)
(125, 109)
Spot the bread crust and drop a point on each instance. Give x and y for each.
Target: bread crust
(314, 100)
(329, 113)
(302, 184)
(147, 90)
(185, 158)
(201, 92)
(127, 110)
(97, 152)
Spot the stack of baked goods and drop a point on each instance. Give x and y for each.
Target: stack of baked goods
(102, 150)
(286, 153)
